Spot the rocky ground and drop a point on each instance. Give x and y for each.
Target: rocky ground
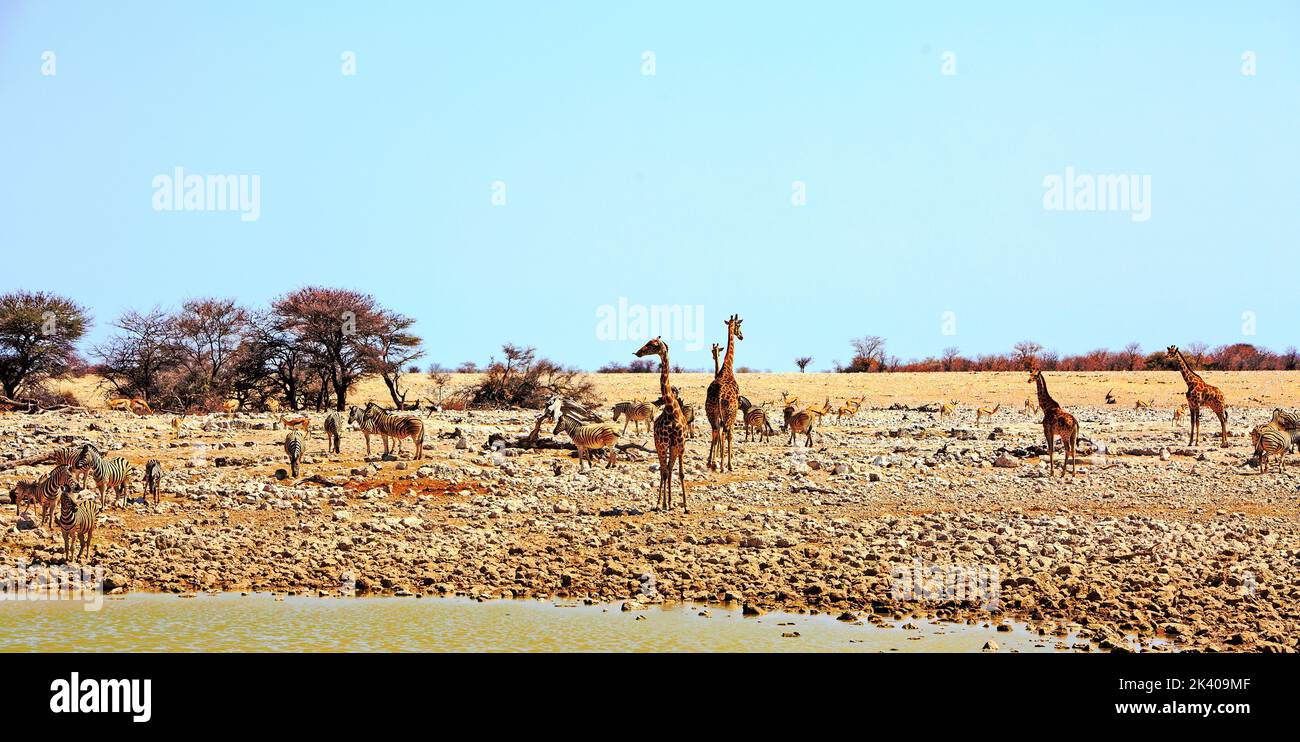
(1154, 540)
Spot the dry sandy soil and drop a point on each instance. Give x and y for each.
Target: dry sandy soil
(1154, 544)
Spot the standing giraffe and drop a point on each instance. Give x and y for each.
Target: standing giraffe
(1056, 422)
(716, 350)
(1199, 393)
(722, 399)
(670, 430)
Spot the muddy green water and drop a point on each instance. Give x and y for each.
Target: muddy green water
(262, 623)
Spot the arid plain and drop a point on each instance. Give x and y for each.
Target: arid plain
(1153, 545)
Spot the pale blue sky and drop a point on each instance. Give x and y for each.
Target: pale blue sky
(924, 190)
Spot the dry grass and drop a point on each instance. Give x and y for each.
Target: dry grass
(1253, 389)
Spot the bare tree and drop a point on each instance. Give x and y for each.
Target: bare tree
(136, 359)
(950, 356)
(802, 362)
(1197, 352)
(390, 349)
(1027, 352)
(1130, 358)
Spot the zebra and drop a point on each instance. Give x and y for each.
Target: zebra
(43, 491)
(334, 425)
(1286, 420)
(109, 474)
(293, 448)
(396, 427)
(588, 437)
(1269, 440)
(152, 479)
(756, 420)
(77, 519)
(635, 412)
(68, 457)
(800, 422)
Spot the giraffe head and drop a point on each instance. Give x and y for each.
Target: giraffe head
(1171, 353)
(733, 326)
(1033, 374)
(717, 349)
(655, 347)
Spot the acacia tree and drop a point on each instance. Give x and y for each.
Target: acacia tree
(392, 349)
(208, 334)
(339, 331)
(1027, 352)
(38, 338)
(136, 360)
(802, 362)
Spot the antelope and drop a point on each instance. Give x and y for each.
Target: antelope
(230, 405)
(297, 423)
(1179, 411)
(1140, 405)
(121, 404)
(986, 412)
(1030, 408)
(947, 409)
(138, 404)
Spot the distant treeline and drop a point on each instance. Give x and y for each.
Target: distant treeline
(869, 356)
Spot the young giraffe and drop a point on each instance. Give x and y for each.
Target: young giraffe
(1199, 393)
(716, 350)
(1056, 422)
(722, 399)
(670, 430)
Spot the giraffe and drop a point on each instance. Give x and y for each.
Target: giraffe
(1199, 393)
(716, 350)
(1056, 422)
(722, 399)
(670, 430)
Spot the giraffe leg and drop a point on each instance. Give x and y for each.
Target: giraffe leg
(729, 427)
(1223, 429)
(1051, 450)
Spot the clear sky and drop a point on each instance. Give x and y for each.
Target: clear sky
(924, 190)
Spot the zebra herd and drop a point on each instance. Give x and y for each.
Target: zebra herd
(76, 517)
(1277, 437)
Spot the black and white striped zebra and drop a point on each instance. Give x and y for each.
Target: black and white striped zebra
(77, 519)
(293, 445)
(334, 425)
(396, 427)
(152, 479)
(68, 457)
(1286, 420)
(1270, 440)
(636, 413)
(109, 474)
(589, 438)
(756, 423)
(43, 491)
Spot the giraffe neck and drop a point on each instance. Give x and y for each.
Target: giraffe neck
(1189, 376)
(716, 367)
(731, 351)
(666, 389)
(1045, 400)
